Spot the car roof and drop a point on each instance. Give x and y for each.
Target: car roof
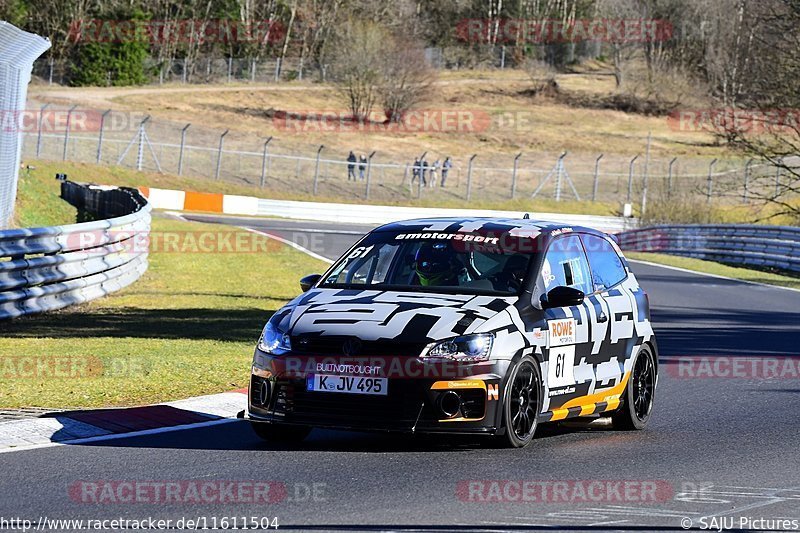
(521, 227)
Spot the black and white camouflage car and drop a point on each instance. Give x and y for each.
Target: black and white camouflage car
(475, 326)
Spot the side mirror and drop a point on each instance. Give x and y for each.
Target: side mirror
(309, 281)
(562, 297)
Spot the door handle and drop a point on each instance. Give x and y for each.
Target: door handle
(602, 318)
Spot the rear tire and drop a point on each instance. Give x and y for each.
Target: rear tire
(280, 433)
(522, 402)
(639, 396)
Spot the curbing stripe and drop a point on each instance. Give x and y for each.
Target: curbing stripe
(104, 424)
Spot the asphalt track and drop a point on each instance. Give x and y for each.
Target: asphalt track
(722, 446)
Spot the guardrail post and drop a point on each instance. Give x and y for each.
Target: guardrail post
(710, 180)
(514, 176)
(669, 177)
(316, 168)
(264, 159)
(219, 154)
(39, 134)
(419, 174)
(746, 180)
(630, 178)
(469, 176)
(66, 132)
(369, 174)
(183, 146)
(596, 177)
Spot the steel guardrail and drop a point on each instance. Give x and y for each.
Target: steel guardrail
(772, 247)
(49, 268)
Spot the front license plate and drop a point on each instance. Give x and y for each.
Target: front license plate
(347, 384)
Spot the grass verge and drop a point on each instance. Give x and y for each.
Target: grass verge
(717, 269)
(188, 327)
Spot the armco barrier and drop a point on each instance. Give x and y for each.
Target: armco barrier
(776, 247)
(352, 213)
(43, 269)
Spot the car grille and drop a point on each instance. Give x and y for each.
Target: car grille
(398, 409)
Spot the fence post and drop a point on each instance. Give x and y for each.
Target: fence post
(778, 176)
(66, 132)
(39, 134)
(646, 171)
(100, 135)
(746, 179)
(469, 176)
(514, 176)
(252, 70)
(264, 161)
(669, 177)
(559, 175)
(140, 148)
(419, 174)
(596, 177)
(230, 68)
(50, 75)
(710, 180)
(219, 154)
(369, 174)
(630, 178)
(183, 146)
(316, 168)
(278, 69)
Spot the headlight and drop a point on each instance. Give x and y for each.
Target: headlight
(273, 340)
(468, 348)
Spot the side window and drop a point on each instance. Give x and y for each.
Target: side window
(606, 266)
(565, 265)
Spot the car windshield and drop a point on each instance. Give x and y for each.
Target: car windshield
(433, 262)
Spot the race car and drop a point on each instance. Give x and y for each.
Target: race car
(481, 326)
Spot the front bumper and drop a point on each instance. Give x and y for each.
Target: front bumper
(420, 397)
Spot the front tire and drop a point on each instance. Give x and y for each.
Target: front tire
(522, 403)
(279, 433)
(639, 395)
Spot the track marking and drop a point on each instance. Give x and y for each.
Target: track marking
(289, 243)
(706, 274)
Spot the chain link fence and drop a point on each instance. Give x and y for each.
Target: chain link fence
(134, 140)
(18, 50)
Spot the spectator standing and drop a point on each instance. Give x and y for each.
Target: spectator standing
(351, 166)
(446, 166)
(435, 172)
(424, 173)
(362, 166)
(415, 170)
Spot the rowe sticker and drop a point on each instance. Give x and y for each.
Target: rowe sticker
(562, 352)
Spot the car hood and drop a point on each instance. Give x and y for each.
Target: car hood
(391, 315)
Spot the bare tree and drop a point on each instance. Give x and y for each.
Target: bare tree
(406, 78)
(357, 65)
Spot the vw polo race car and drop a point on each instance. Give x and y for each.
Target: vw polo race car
(475, 326)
